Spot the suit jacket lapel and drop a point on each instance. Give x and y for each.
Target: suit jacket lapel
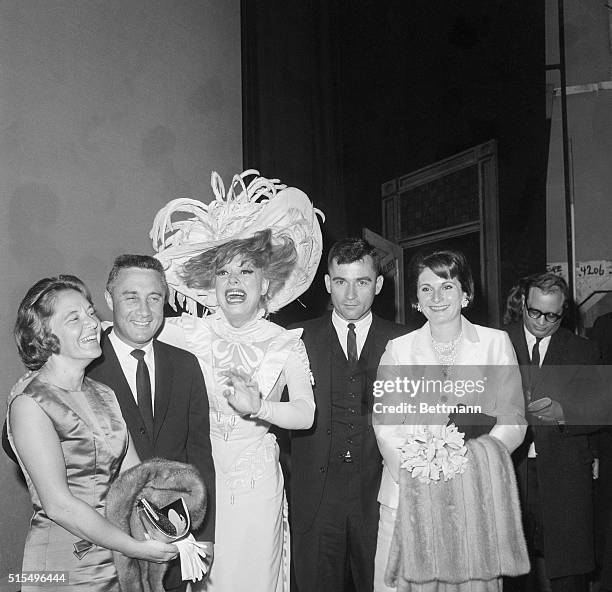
(556, 352)
(375, 342)
(163, 387)
(422, 353)
(517, 336)
(335, 351)
(115, 379)
(520, 345)
(373, 348)
(322, 341)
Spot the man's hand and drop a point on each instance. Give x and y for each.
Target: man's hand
(547, 410)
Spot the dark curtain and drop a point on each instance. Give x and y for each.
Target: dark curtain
(343, 95)
(291, 113)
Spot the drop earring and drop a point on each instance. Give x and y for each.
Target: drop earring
(464, 302)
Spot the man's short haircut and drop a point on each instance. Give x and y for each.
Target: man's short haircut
(350, 250)
(548, 283)
(446, 264)
(128, 261)
(35, 342)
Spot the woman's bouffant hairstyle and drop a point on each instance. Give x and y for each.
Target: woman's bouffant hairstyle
(448, 264)
(35, 342)
(276, 261)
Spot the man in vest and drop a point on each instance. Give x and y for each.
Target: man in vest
(336, 465)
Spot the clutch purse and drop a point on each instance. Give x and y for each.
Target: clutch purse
(473, 425)
(168, 524)
(539, 405)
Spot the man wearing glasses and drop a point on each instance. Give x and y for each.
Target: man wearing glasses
(554, 464)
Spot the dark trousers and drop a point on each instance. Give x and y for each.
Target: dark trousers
(173, 581)
(537, 580)
(337, 553)
(603, 508)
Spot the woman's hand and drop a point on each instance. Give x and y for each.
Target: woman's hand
(244, 395)
(44, 461)
(154, 551)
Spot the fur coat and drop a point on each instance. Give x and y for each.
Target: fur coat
(467, 528)
(159, 481)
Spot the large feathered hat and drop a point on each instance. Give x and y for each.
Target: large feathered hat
(245, 209)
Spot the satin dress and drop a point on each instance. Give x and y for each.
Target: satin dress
(94, 440)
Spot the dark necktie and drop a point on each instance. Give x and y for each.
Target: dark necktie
(534, 368)
(535, 353)
(143, 390)
(351, 344)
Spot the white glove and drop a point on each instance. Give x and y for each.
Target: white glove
(193, 566)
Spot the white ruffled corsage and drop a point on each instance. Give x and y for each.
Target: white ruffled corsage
(431, 456)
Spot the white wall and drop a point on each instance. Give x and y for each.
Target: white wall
(588, 31)
(108, 109)
(589, 114)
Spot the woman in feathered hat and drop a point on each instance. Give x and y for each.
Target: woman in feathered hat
(243, 256)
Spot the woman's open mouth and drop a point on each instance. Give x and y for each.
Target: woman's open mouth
(235, 296)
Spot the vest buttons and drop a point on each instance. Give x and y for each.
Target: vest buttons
(328, 432)
(322, 469)
(142, 431)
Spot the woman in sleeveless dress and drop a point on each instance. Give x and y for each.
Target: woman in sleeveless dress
(71, 442)
(243, 259)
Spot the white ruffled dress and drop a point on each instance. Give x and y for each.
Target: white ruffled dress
(252, 531)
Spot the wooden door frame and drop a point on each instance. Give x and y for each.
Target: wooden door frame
(484, 156)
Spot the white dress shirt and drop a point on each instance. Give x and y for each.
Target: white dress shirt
(362, 326)
(542, 348)
(129, 364)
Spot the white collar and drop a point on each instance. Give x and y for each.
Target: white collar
(123, 349)
(360, 325)
(530, 338)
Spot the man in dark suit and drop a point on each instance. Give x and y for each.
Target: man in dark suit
(602, 334)
(554, 464)
(160, 388)
(336, 466)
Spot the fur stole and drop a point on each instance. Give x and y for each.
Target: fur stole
(160, 481)
(467, 528)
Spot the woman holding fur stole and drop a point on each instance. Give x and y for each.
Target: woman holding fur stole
(71, 442)
(243, 256)
(447, 502)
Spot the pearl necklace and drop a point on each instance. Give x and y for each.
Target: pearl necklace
(446, 352)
